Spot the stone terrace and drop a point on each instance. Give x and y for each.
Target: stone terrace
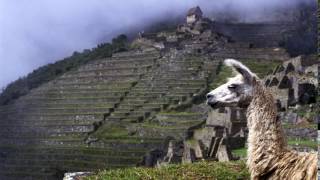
(44, 133)
(97, 117)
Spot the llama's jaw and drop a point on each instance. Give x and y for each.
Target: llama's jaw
(213, 105)
(218, 104)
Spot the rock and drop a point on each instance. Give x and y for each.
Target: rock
(189, 154)
(302, 122)
(295, 81)
(76, 175)
(152, 158)
(224, 153)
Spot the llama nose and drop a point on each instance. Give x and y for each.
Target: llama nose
(210, 97)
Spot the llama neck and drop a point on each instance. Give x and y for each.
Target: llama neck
(265, 131)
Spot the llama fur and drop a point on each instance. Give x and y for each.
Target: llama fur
(268, 155)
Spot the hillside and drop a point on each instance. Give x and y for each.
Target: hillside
(47, 73)
(131, 108)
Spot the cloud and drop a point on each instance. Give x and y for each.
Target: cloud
(36, 32)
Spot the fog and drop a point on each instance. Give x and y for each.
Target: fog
(37, 32)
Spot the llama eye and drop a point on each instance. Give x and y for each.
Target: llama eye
(232, 86)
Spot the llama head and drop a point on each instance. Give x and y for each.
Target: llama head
(238, 91)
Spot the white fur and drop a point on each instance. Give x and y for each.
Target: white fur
(231, 97)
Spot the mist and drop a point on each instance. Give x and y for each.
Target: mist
(37, 32)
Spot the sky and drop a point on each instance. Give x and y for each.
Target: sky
(37, 32)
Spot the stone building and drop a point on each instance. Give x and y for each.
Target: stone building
(194, 14)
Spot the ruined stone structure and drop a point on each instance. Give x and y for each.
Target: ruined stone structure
(295, 81)
(295, 85)
(194, 14)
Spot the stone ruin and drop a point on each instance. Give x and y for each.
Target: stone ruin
(194, 14)
(294, 82)
(195, 22)
(205, 36)
(295, 85)
(223, 130)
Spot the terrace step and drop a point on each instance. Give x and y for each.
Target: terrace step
(50, 128)
(133, 118)
(69, 94)
(185, 123)
(108, 71)
(134, 102)
(88, 69)
(53, 117)
(152, 108)
(52, 86)
(139, 113)
(155, 93)
(37, 122)
(64, 105)
(120, 63)
(95, 79)
(72, 100)
(23, 141)
(179, 116)
(129, 106)
(53, 111)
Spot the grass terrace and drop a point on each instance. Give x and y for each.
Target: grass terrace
(201, 170)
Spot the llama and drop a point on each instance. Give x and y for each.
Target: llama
(268, 154)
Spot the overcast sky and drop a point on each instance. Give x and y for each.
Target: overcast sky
(36, 32)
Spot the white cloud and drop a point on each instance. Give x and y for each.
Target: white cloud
(37, 32)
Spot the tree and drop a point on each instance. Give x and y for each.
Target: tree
(120, 43)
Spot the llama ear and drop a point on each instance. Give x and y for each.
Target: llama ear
(241, 69)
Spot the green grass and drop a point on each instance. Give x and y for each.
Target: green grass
(303, 142)
(200, 170)
(223, 73)
(158, 126)
(179, 113)
(242, 152)
(111, 130)
(294, 126)
(261, 68)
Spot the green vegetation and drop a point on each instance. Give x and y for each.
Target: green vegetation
(304, 111)
(223, 72)
(303, 142)
(261, 68)
(179, 113)
(111, 131)
(49, 72)
(242, 152)
(158, 126)
(293, 126)
(200, 170)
